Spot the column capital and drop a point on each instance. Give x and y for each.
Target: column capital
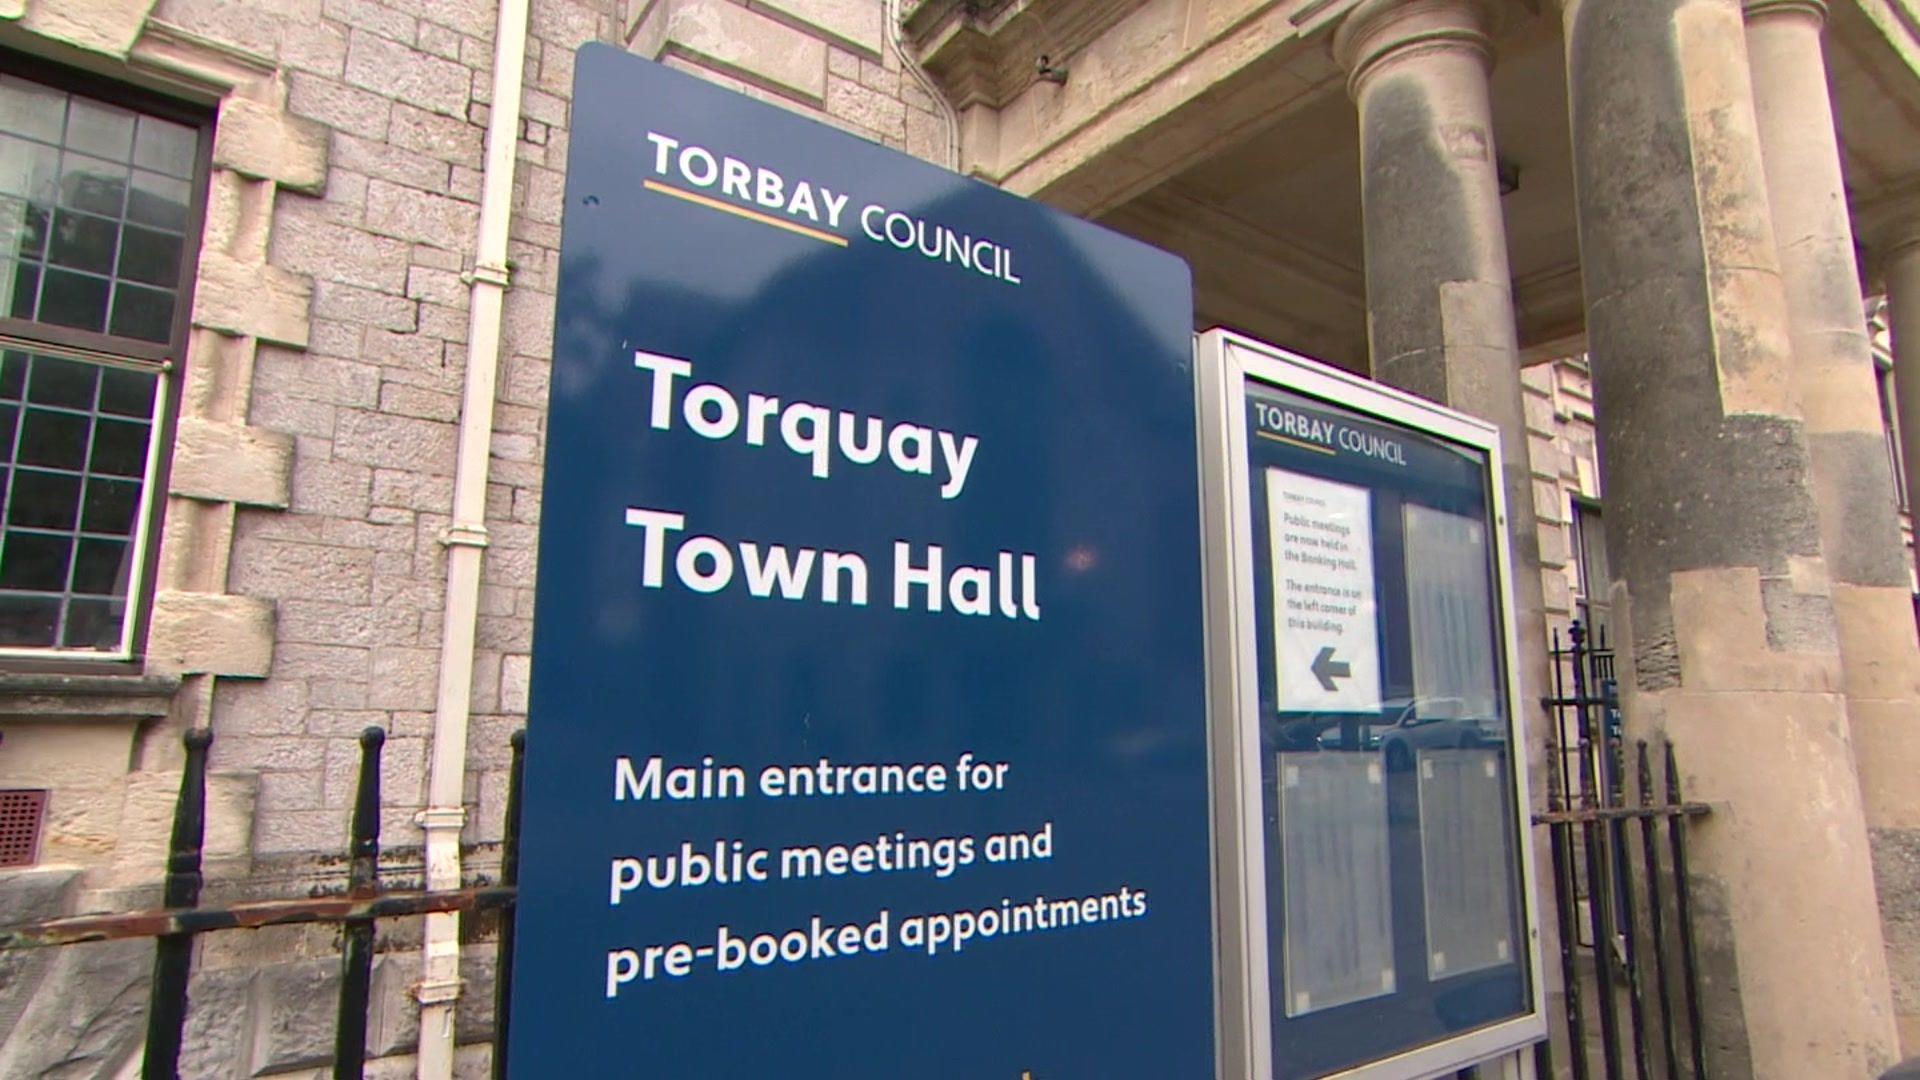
(1761, 9)
(1376, 31)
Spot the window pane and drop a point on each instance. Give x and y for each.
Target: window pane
(165, 146)
(31, 109)
(25, 293)
(53, 439)
(27, 173)
(88, 183)
(67, 383)
(93, 624)
(149, 256)
(110, 506)
(128, 393)
(28, 620)
(43, 500)
(34, 561)
(143, 313)
(13, 375)
(159, 201)
(27, 169)
(23, 227)
(97, 128)
(9, 416)
(83, 242)
(100, 567)
(1596, 575)
(119, 448)
(73, 299)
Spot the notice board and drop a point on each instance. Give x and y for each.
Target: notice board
(867, 723)
(1374, 903)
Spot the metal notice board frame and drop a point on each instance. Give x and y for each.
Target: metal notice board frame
(1228, 368)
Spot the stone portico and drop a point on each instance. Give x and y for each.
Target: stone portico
(1439, 191)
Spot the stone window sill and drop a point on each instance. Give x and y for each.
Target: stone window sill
(28, 696)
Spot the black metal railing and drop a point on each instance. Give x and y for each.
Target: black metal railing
(182, 917)
(1619, 876)
(1625, 923)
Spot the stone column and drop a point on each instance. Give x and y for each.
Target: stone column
(1439, 293)
(1853, 480)
(1890, 765)
(1733, 647)
(1440, 318)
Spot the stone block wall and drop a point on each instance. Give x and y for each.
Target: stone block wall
(1564, 454)
(355, 566)
(832, 60)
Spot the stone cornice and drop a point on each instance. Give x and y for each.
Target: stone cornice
(1549, 304)
(1313, 16)
(988, 51)
(1173, 207)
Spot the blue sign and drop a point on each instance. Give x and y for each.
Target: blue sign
(867, 733)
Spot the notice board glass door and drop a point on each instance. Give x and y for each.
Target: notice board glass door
(1374, 913)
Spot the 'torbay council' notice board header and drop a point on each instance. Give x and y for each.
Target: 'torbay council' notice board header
(867, 733)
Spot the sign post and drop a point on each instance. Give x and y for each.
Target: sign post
(867, 731)
(1375, 906)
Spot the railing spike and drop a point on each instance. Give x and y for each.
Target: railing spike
(173, 953)
(509, 875)
(363, 880)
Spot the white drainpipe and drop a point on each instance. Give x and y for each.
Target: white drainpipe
(920, 76)
(466, 535)
(466, 539)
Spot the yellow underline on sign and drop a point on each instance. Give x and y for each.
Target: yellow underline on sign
(741, 211)
(1328, 450)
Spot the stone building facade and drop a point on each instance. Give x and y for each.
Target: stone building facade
(345, 406)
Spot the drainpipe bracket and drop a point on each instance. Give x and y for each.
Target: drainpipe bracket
(441, 819)
(464, 534)
(430, 992)
(499, 275)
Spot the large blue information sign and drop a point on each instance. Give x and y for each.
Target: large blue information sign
(867, 735)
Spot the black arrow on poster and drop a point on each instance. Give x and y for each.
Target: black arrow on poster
(1327, 669)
